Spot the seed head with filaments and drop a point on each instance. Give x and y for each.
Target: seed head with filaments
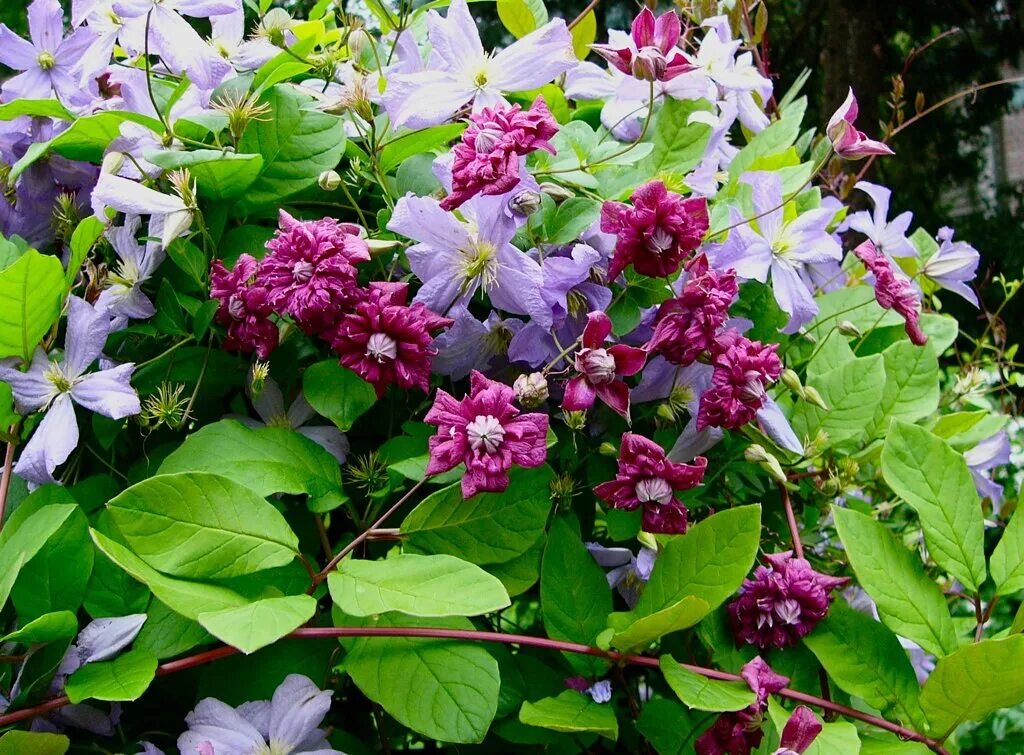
(241, 109)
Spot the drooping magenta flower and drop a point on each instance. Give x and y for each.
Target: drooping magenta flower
(647, 478)
(687, 325)
(743, 369)
(799, 733)
(656, 232)
(388, 342)
(487, 160)
(653, 55)
(846, 140)
(310, 271)
(893, 290)
(487, 433)
(953, 266)
(782, 603)
(740, 732)
(244, 307)
(600, 370)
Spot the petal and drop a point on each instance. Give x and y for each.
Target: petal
(629, 360)
(33, 84)
(131, 197)
(51, 444)
(534, 60)
(108, 392)
(693, 442)
(767, 201)
(221, 725)
(454, 39)
(300, 412)
(331, 439)
(297, 708)
(793, 296)
(616, 395)
(87, 333)
(206, 8)
(46, 24)
(406, 106)
(777, 427)
(579, 395)
(269, 402)
(183, 50)
(599, 327)
(31, 389)
(104, 638)
(800, 730)
(423, 220)
(15, 52)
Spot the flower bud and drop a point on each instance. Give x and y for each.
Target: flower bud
(329, 180)
(575, 420)
(531, 390)
(556, 192)
(112, 162)
(357, 41)
(608, 449)
(811, 396)
(758, 455)
(597, 365)
(666, 412)
(258, 377)
(847, 328)
(791, 380)
(525, 202)
(649, 64)
(378, 247)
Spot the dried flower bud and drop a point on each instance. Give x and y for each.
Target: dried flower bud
(556, 192)
(531, 390)
(525, 202)
(847, 328)
(329, 180)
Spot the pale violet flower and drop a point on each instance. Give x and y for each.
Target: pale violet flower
(133, 198)
(600, 692)
(229, 42)
(779, 247)
(992, 452)
(888, 236)
(123, 300)
(56, 386)
(471, 344)
(460, 71)
(627, 573)
(269, 404)
(285, 725)
(108, 29)
(953, 266)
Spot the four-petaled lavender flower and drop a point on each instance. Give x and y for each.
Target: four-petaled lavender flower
(287, 724)
(56, 386)
(654, 54)
(953, 266)
(846, 140)
(889, 236)
(487, 433)
(600, 370)
(122, 299)
(627, 573)
(460, 72)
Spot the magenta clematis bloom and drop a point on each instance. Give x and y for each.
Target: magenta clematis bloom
(55, 387)
(487, 433)
(653, 55)
(740, 732)
(846, 140)
(799, 733)
(385, 341)
(647, 478)
(656, 233)
(487, 160)
(600, 369)
(743, 368)
(310, 271)
(687, 325)
(244, 307)
(893, 290)
(782, 603)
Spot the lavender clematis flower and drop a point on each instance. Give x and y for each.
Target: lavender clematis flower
(285, 725)
(953, 266)
(133, 198)
(123, 299)
(889, 236)
(229, 42)
(780, 247)
(455, 259)
(269, 404)
(628, 573)
(49, 62)
(55, 387)
(470, 344)
(108, 30)
(459, 71)
(990, 453)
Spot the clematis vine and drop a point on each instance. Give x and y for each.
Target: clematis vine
(600, 370)
(627, 573)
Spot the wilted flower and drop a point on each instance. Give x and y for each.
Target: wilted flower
(783, 602)
(55, 387)
(244, 307)
(846, 140)
(653, 55)
(600, 370)
(133, 198)
(531, 390)
(647, 478)
(953, 266)
(743, 370)
(487, 433)
(893, 290)
(740, 732)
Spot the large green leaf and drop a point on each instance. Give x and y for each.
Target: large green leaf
(194, 524)
(31, 290)
(443, 689)
(266, 459)
(47, 628)
(638, 632)
(167, 633)
(710, 561)
(571, 712)
(973, 682)
(928, 474)
(678, 143)
(437, 585)
(701, 693)
(187, 598)
(113, 592)
(33, 742)
(337, 393)
(218, 175)
(258, 624)
(26, 540)
(521, 17)
(124, 678)
(866, 659)
(851, 393)
(40, 108)
(297, 144)
(409, 143)
(909, 603)
(55, 579)
(489, 528)
(911, 385)
(570, 219)
(1007, 562)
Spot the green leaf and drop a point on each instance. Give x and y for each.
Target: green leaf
(218, 174)
(187, 598)
(55, 579)
(701, 693)
(489, 528)
(443, 689)
(266, 459)
(571, 712)
(113, 592)
(256, 625)
(678, 144)
(574, 595)
(522, 572)
(47, 628)
(36, 108)
(866, 659)
(31, 742)
(668, 726)
(775, 139)
(1007, 562)
(297, 145)
(851, 393)
(572, 218)
(124, 678)
(710, 561)
(167, 633)
(584, 34)
(436, 585)
(409, 143)
(911, 385)
(84, 238)
(976, 680)
(909, 603)
(934, 480)
(32, 290)
(337, 393)
(19, 545)
(195, 524)
(639, 632)
(521, 17)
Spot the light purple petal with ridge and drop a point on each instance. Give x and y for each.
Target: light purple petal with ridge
(407, 107)
(108, 392)
(331, 439)
(534, 60)
(45, 24)
(777, 427)
(51, 444)
(225, 728)
(31, 389)
(297, 708)
(454, 38)
(86, 336)
(16, 52)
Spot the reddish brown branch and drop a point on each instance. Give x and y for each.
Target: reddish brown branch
(794, 530)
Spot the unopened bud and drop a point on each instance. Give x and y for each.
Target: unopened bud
(556, 192)
(531, 390)
(649, 64)
(378, 247)
(758, 455)
(608, 449)
(575, 420)
(329, 180)
(811, 396)
(112, 162)
(666, 413)
(525, 202)
(847, 328)
(755, 453)
(357, 41)
(791, 380)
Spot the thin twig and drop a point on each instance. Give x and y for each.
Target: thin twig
(794, 531)
(583, 14)
(5, 480)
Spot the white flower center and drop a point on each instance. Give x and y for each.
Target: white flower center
(653, 490)
(58, 379)
(485, 432)
(302, 271)
(381, 347)
(659, 241)
(753, 389)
